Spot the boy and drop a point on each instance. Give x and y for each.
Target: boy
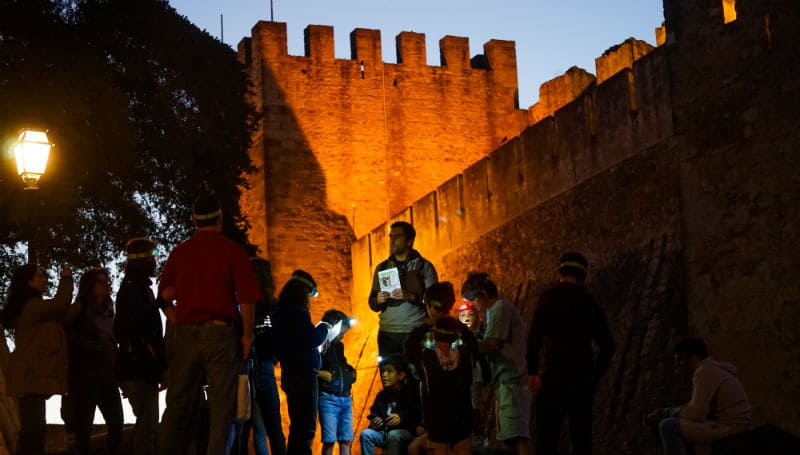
(443, 351)
(335, 379)
(394, 414)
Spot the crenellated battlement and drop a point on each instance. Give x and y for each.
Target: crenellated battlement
(563, 89)
(365, 46)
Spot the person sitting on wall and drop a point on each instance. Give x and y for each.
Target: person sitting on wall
(718, 408)
(397, 289)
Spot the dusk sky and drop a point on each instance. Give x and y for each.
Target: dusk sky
(551, 35)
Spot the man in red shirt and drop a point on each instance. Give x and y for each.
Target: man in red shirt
(213, 285)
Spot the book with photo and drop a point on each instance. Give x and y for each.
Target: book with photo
(389, 279)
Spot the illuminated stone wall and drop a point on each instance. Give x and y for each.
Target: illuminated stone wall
(675, 171)
(679, 180)
(343, 143)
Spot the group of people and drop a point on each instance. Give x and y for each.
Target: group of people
(222, 321)
(449, 363)
(452, 361)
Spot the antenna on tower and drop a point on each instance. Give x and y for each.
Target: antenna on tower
(221, 29)
(271, 12)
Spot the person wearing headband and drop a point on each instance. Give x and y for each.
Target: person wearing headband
(504, 344)
(565, 323)
(443, 352)
(141, 358)
(298, 351)
(214, 289)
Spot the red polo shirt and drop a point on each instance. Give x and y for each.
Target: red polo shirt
(210, 275)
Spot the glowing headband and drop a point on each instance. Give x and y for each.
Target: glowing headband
(573, 264)
(145, 254)
(307, 282)
(435, 303)
(207, 216)
(472, 294)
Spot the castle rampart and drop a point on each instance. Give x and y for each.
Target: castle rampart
(604, 126)
(677, 176)
(345, 142)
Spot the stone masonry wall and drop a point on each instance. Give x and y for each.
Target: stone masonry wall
(345, 142)
(704, 130)
(735, 103)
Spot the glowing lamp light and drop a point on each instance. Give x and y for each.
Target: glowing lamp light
(32, 150)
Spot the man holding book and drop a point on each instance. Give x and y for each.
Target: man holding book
(397, 288)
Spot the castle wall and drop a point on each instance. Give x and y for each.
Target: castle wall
(343, 143)
(678, 178)
(735, 92)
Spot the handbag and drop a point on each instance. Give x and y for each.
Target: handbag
(243, 398)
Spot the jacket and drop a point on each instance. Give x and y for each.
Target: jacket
(344, 375)
(565, 322)
(138, 330)
(298, 339)
(92, 348)
(402, 402)
(718, 395)
(39, 362)
(416, 275)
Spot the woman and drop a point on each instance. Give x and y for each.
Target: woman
(298, 343)
(267, 407)
(38, 366)
(92, 351)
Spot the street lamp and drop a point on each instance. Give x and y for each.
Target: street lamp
(32, 150)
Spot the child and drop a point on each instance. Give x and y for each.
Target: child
(443, 352)
(335, 379)
(394, 414)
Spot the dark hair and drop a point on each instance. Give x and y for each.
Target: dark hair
(573, 264)
(333, 316)
(446, 329)
(19, 293)
(398, 361)
(206, 210)
(692, 347)
(476, 283)
(144, 265)
(86, 288)
(408, 230)
(263, 272)
(440, 296)
(297, 290)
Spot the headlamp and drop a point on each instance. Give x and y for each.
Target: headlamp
(312, 287)
(146, 254)
(470, 296)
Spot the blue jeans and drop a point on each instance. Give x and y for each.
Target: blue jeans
(671, 437)
(143, 398)
(193, 350)
(394, 442)
(269, 405)
(335, 417)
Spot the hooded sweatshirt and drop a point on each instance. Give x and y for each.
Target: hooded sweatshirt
(718, 395)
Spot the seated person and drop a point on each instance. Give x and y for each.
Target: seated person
(718, 408)
(394, 414)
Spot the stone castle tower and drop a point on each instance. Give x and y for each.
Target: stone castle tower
(674, 169)
(344, 143)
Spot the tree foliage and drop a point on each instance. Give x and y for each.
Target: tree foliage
(145, 111)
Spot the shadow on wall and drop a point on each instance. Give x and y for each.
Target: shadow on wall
(636, 274)
(301, 232)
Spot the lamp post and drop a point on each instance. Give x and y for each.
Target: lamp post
(32, 150)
